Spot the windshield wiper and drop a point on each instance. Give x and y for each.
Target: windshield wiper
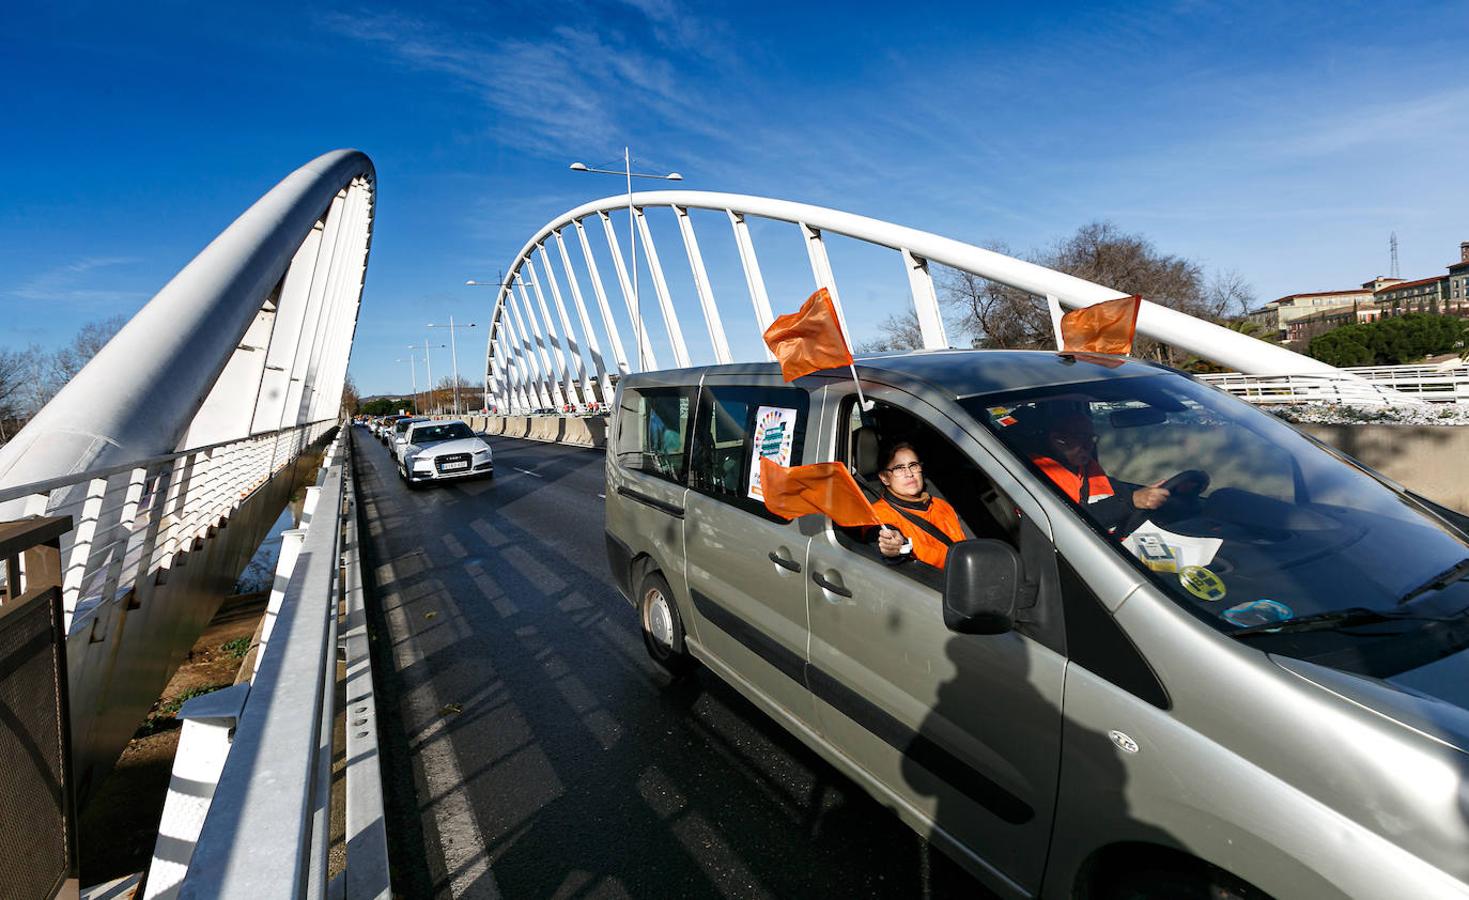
(1443, 579)
(1339, 618)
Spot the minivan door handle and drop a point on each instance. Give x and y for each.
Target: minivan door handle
(784, 563)
(834, 588)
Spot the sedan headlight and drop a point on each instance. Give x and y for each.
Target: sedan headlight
(483, 453)
(422, 465)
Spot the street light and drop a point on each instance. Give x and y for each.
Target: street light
(632, 240)
(454, 353)
(428, 373)
(413, 367)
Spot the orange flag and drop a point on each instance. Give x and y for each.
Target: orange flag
(1107, 327)
(809, 339)
(825, 488)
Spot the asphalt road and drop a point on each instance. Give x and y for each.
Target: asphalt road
(549, 757)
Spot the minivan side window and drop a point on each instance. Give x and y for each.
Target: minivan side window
(730, 421)
(983, 510)
(652, 433)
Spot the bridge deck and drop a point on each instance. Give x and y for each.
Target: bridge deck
(549, 756)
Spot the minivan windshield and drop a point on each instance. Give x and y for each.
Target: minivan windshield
(1236, 515)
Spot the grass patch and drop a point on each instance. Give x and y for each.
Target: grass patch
(164, 717)
(237, 647)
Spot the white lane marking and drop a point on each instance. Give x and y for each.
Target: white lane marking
(528, 472)
(601, 496)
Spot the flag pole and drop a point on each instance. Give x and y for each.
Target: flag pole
(861, 400)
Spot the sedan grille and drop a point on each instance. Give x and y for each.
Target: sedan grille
(452, 462)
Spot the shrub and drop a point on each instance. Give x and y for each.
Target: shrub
(1389, 342)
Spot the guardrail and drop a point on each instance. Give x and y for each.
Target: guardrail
(264, 830)
(1379, 385)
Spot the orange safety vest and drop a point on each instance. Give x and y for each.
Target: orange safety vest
(1099, 486)
(926, 547)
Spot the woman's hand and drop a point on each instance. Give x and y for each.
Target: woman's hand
(890, 541)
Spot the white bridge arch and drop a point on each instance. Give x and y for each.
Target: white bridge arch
(527, 365)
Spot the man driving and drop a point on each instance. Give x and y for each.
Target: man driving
(1070, 460)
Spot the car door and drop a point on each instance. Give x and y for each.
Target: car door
(745, 565)
(647, 463)
(965, 730)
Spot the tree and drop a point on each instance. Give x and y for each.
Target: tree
(351, 399)
(89, 339)
(990, 314)
(17, 382)
(1390, 341)
(899, 331)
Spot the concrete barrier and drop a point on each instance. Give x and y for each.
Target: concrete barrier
(574, 431)
(1426, 459)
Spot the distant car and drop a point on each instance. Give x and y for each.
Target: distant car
(398, 435)
(440, 451)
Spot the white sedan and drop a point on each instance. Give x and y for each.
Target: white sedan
(440, 451)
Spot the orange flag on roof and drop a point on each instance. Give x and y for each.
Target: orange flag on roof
(1106, 327)
(825, 488)
(809, 339)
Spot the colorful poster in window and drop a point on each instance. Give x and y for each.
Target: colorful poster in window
(775, 432)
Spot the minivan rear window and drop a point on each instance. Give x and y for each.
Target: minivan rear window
(731, 420)
(652, 431)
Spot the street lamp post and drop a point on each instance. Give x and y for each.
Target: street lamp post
(454, 354)
(429, 374)
(632, 240)
(413, 367)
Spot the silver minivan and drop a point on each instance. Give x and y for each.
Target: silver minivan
(1260, 687)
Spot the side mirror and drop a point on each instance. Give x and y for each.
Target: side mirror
(983, 583)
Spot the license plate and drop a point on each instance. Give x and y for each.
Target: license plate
(449, 467)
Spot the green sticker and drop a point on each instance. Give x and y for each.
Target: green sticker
(1202, 583)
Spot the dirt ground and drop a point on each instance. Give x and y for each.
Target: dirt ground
(119, 827)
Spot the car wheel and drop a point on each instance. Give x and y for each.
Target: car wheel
(663, 632)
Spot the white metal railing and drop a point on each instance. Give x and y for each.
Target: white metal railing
(138, 518)
(249, 812)
(1378, 385)
(537, 353)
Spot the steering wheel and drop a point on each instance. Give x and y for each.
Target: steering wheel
(1183, 490)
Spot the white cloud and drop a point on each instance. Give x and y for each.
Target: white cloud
(77, 283)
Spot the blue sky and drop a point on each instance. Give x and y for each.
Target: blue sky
(1281, 140)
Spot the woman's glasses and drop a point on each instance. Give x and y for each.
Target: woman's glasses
(912, 468)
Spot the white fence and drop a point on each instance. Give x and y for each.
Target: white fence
(1379, 385)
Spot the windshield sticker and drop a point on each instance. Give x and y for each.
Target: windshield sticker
(1000, 415)
(1164, 551)
(1202, 583)
(1258, 612)
(775, 432)
(1155, 553)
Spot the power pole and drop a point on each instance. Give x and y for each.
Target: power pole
(1392, 242)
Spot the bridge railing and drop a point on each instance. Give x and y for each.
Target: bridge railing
(140, 518)
(249, 812)
(1375, 386)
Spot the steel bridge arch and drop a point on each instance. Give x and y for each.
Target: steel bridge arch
(253, 335)
(526, 366)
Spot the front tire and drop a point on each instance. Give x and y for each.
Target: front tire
(663, 632)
